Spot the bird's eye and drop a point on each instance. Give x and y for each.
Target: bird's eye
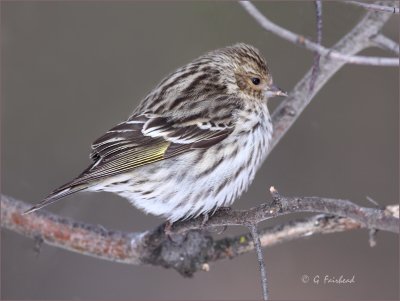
(255, 80)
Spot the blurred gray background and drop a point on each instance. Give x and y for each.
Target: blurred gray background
(71, 70)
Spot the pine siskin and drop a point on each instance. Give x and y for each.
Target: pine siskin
(193, 144)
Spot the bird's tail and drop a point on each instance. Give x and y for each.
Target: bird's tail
(58, 194)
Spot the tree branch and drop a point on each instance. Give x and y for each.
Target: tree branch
(197, 249)
(300, 97)
(383, 42)
(375, 7)
(310, 45)
(295, 229)
(369, 217)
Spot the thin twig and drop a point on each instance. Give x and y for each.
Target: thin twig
(310, 45)
(370, 217)
(317, 56)
(384, 42)
(261, 262)
(375, 7)
(372, 201)
(294, 229)
(372, 237)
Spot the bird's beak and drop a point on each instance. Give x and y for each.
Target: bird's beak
(275, 91)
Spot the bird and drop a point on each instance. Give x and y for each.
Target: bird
(193, 144)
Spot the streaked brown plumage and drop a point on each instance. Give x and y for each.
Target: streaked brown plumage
(193, 144)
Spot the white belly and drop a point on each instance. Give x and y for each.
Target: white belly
(203, 180)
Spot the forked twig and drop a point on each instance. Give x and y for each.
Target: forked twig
(310, 45)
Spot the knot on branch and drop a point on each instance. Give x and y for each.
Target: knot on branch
(186, 253)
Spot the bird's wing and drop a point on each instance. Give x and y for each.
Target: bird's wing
(145, 139)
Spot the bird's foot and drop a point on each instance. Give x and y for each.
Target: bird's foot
(220, 210)
(223, 210)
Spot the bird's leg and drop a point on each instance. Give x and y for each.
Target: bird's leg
(168, 229)
(205, 219)
(174, 238)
